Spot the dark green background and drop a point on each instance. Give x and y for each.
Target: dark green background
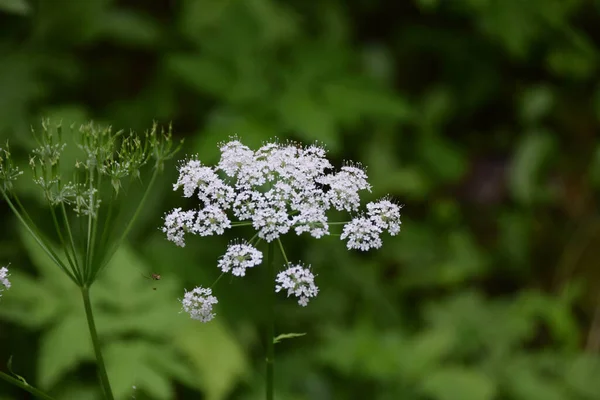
(481, 116)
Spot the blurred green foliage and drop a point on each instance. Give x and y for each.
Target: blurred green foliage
(480, 115)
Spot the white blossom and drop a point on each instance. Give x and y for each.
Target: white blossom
(239, 257)
(271, 223)
(298, 281)
(386, 214)
(192, 176)
(4, 282)
(312, 219)
(199, 304)
(177, 224)
(211, 220)
(278, 188)
(246, 203)
(344, 187)
(234, 157)
(362, 234)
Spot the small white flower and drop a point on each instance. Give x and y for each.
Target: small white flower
(362, 234)
(298, 281)
(271, 223)
(312, 219)
(177, 224)
(344, 187)
(192, 175)
(246, 202)
(239, 257)
(199, 304)
(219, 193)
(211, 220)
(387, 213)
(4, 282)
(234, 156)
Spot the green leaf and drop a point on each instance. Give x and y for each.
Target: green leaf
(458, 383)
(524, 382)
(443, 158)
(534, 150)
(536, 103)
(9, 367)
(20, 7)
(582, 375)
(425, 351)
(306, 115)
(203, 74)
(285, 336)
(130, 28)
(214, 342)
(129, 366)
(63, 348)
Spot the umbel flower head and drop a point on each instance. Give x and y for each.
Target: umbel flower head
(199, 304)
(101, 163)
(4, 282)
(298, 281)
(278, 188)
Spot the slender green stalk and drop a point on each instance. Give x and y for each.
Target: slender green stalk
(96, 342)
(37, 237)
(217, 280)
(271, 322)
(71, 261)
(69, 232)
(283, 252)
(107, 223)
(236, 224)
(116, 245)
(25, 386)
(88, 246)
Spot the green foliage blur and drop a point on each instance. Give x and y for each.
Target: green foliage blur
(481, 116)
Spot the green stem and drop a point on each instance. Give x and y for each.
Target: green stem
(107, 223)
(271, 322)
(25, 386)
(114, 248)
(85, 292)
(237, 224)
(283, 253)
(88, 249)
(38, 238)
(217, 280)
(70, 233)
(70, 260)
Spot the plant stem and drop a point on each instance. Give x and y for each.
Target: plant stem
(121, 239)
(37, 236)
(25, 386)
(89, 252)
(85, 292)
(271, 321)
(70, 260)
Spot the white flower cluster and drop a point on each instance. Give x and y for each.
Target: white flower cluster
(238, 257)
(298, 281)
(275, 189)
(199, 304)
(363, 232)
(4, 282)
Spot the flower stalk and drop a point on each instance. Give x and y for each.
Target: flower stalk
(106, 159)
(277, 189)
(270, 360)
(102, 375)
(25, 386)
